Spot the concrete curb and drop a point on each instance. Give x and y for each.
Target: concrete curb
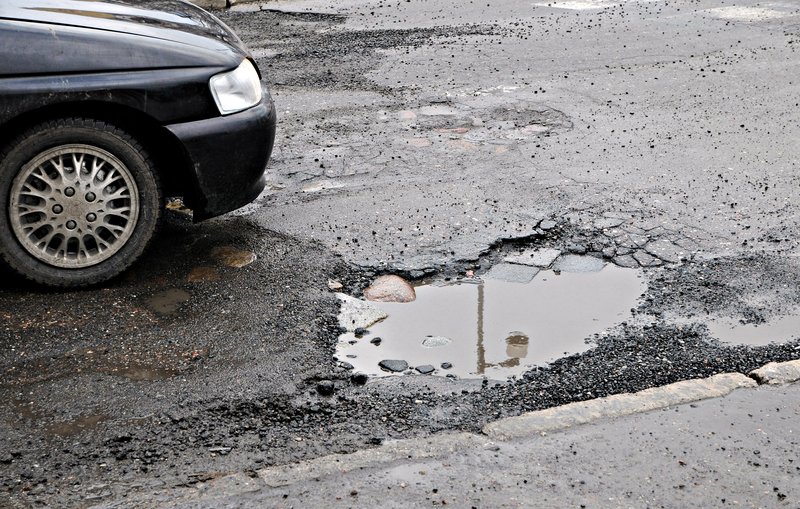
(777, 373)
(618, 405)
(526, 425)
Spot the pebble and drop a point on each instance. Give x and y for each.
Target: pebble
(390, 289)
(376, 341)
(359, 378)
(425, 369)
(325, 387)
(436, 341)
(446, 365)
(393, 365)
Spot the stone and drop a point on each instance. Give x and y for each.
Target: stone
(325, 387)
(512, 273)
(446, 365)
(360, 332)
(576, 263)
(425, 369)
(665, 250)
(535, 257)
(547, 224)
(334, 285)
(626, 261)
(359, 378)
(356, 313)
(576, 248)
(436, 341)
(395, 366)
(777, 373)
(376, 341)
(390, 289)
(646, 260)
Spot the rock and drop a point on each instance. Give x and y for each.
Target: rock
(426, 369)
(325, 387)
(646, 260)
(334, 285)
(346, 365)
(359, 378)
(609, 252)
(626, 261)
(576, 263)
(233, 257)
(446, 365)
(536, 257)
(547, 225)
(395, 366)
(665, 250)
(355, 313)
(576, 248)
(360, 332)
(376, 341)
(390, 289)
(436, 341)
(777, 373)
(512, 273)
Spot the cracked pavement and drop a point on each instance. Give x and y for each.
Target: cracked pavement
(428, 139)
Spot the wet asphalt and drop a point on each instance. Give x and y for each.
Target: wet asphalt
(426, 139)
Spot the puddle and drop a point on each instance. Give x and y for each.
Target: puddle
(778, 330)
(168, 301)
(141, 373)
(497, 328)
(75, 426)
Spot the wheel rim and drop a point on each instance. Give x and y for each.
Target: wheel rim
(74, 206)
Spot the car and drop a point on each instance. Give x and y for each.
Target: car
(106, 108)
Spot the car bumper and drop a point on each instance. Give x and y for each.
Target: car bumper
(228, 156)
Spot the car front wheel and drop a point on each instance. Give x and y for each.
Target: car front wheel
(80, 201)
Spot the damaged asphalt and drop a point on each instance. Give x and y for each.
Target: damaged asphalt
(426, 139)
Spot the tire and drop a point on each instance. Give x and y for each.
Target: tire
(79, 202)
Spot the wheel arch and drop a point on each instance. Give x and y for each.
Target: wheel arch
(170, 157)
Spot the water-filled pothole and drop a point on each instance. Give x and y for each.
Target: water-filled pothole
(497, 326)
(780, 329)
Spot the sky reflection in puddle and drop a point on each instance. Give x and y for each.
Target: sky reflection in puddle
(497, 328)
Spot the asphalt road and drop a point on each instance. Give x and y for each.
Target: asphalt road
(428, 139)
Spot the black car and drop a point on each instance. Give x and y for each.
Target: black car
(108, 106)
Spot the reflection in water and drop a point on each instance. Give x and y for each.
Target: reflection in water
(496, 328)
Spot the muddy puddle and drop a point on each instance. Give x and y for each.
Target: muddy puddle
(780, 329)
(497, 326)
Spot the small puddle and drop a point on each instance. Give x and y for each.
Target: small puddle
(75, 426)
(495, 327)
(779, 330)
(168, 301)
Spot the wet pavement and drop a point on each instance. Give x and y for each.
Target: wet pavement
(443, 142)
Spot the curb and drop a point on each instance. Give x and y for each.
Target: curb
(527, 425)
(618, 405)
(532, 423)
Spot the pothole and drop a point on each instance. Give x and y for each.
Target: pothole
(513, 318)
(782, 329)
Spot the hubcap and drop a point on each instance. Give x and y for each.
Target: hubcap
(74, 206)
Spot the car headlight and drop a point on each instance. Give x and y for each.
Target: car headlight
(236, 90)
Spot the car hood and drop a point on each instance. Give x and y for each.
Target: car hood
(112, 33)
